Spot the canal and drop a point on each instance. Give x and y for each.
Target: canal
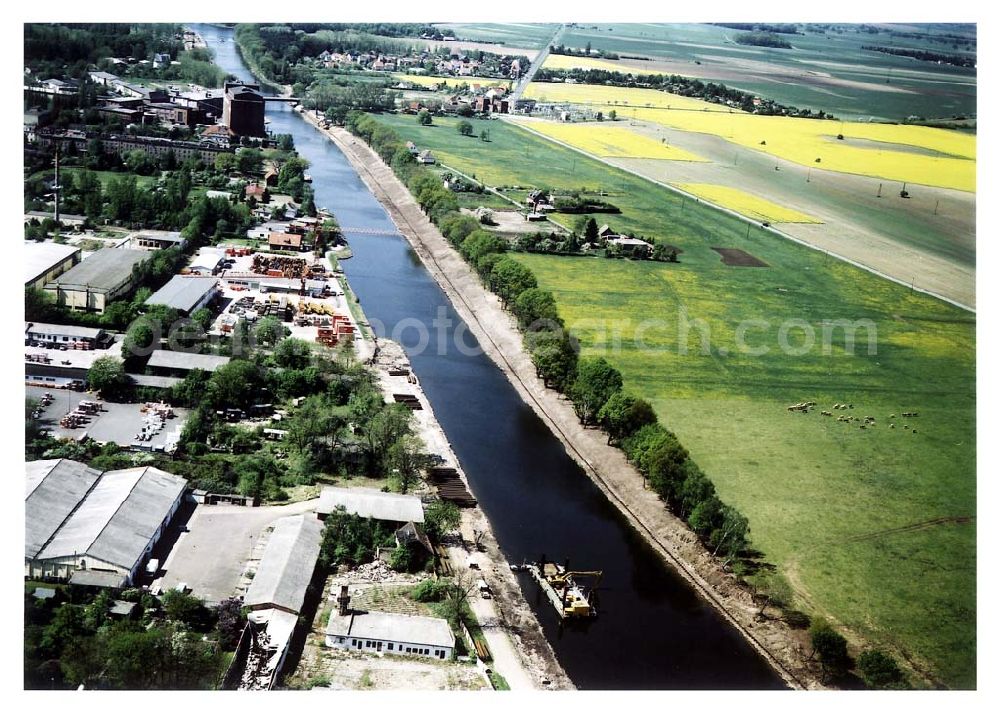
(654, 631)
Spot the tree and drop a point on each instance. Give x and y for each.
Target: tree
(269, 330)
(534, 305)
(388, 425)
(406, 458)
(107, 376)
(624, 414)
(142, 337)
(232, 620)
(484, 135)
(293, 353)
(554, 354)
(440, 517)
(509, 279)
(186, 609)
(770, 588)
(465, 128)
(730, 537)
(424, 118)
(235, 384)
(596, 381)
(880, 670)
(830, 647)
(613, 115)
(39, 305)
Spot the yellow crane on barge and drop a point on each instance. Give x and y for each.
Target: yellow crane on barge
(563, 589)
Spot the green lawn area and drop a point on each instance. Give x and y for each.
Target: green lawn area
(105, 176)
(813, 488)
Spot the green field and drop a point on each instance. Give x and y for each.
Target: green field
(896, 87)
(822, 496)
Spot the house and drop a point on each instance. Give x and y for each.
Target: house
(426, 157)
(161, 60)
(371, 503)
(186, 294)
(388, 633)
(103, 78)
(95, 529)
(257, 192)
(412, 148)
(287, 241)
(606, 233)
(631, 246)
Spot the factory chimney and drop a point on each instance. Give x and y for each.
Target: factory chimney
(344, 600)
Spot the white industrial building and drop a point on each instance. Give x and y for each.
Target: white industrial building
(92, 528)
(163, 362)
(388, 633)
(371, 503)
(186, 294)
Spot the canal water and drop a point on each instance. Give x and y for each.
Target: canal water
(654, 632)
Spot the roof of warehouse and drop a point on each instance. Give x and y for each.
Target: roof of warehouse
(183, 292)
(54, 487)
(40, 257)
(409, 629)
(104, 270)
(185, 361)
(372, 503)
(161, 235)
(116, 521)
(288, 563)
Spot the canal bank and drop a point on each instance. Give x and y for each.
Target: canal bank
(606, 466)
(654, 630)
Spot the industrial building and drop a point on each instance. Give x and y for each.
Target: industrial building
(157, 239)
(186, 294)
(91, 528)
(243, 109)
(276, 597)
(44, 261)
(371, 503)
(77, 337)
(98, 280)
(176, 363)
(208, 261)
(388, 633)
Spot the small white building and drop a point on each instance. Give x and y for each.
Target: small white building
(389, 633)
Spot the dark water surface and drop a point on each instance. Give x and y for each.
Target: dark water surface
(653, 632)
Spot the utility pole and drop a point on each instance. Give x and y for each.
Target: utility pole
(936, 203)
(56, 187)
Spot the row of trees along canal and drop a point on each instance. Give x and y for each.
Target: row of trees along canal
(599, 399)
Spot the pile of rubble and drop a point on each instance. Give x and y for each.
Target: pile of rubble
(377, 571)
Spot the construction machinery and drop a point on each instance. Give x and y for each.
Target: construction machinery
(563, 589)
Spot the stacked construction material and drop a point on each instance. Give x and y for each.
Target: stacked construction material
(410, 401)
(450, 486)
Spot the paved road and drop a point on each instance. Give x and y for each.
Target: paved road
(536, 64)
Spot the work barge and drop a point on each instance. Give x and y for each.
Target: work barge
(561, 586)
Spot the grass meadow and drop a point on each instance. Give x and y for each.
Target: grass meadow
(824, 497)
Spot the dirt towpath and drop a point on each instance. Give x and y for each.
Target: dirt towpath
(781, 646)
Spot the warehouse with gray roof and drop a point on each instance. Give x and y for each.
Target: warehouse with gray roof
(95, 529)
(178, 363)
(186, 294)
(98, 280)
(371, 503)
(44, 261)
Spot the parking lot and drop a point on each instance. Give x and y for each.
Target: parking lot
(211, 556)
(121, 423)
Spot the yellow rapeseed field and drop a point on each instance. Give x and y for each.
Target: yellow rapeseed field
(746, 204)
(912, 154)
(562, 61)
(609, 140)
